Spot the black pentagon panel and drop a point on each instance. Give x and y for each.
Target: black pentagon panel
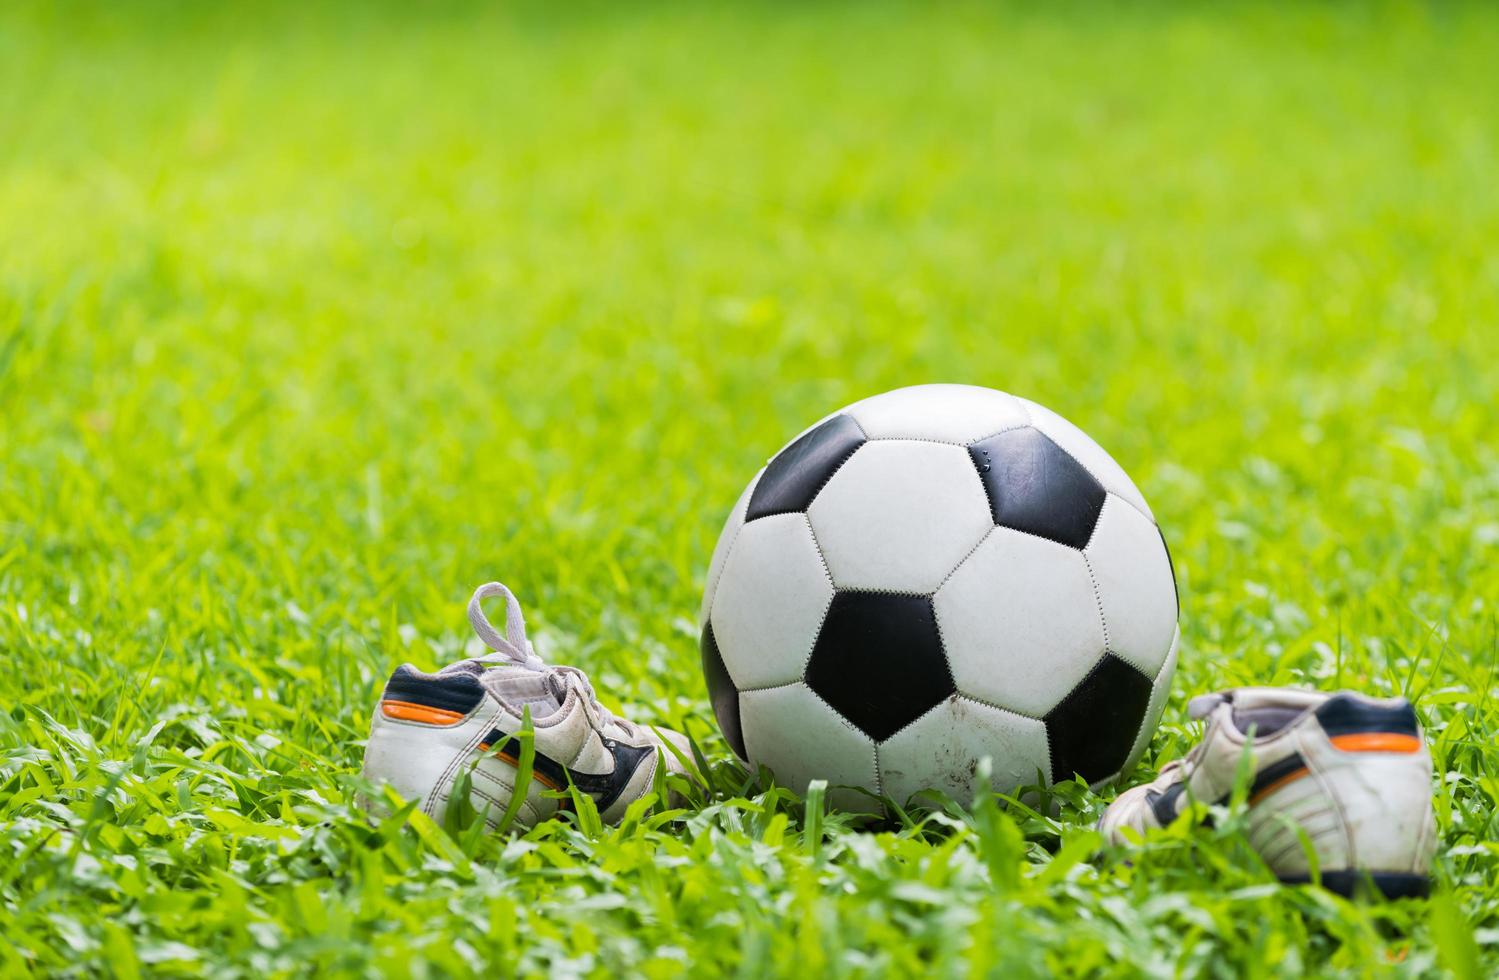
(1093, 729)
(1036, 487)
(722, 693)
(879, 661)
(801, 469)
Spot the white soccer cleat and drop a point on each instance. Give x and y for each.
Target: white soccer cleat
(430, 728)
(1350, 772)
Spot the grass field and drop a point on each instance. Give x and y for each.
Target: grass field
(312, 319)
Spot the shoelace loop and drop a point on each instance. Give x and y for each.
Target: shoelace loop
(514, 646)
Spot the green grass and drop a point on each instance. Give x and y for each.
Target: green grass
(311, 320)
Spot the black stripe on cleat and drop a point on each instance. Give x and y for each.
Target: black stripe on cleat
(603, 787)
(1274, 773)
(460, 692)
(1163, 805)
(1371, 884)
(1344, 714)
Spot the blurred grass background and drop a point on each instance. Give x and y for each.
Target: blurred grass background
(314, 317)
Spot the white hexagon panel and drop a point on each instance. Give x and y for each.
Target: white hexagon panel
(959, 414)
(1020, 622)
(771, 598)
(803, 739)
(900, 515)
(941, 749)
(726, 537)
(1135, 586)
(1160, 691)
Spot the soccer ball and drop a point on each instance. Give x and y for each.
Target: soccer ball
(932, 576)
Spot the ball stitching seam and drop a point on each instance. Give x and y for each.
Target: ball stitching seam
(1098, 602)
(929, 440)
(827, 607)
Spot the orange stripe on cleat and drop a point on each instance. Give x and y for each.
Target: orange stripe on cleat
(1377, 742)
(1280, 783)
(543, 780)
(406, 711)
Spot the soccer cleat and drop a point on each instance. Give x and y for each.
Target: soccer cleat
(429, 729)
(1349, 772)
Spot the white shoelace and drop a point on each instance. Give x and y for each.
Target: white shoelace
(516, 649)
